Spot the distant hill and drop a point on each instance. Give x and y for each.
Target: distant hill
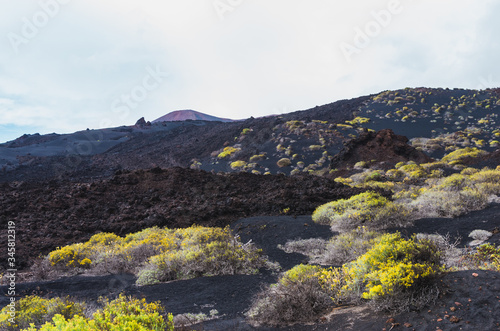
(315, 141)
(188, 114)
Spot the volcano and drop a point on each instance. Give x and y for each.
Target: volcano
(188, 114)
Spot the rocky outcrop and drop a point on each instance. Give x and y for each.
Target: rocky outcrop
(141, 122)
(56, 213)
(384, 146)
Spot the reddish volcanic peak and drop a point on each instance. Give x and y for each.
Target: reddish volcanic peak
(188, 114)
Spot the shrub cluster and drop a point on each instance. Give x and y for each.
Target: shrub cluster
(486, 257)
(368, 208)
(297, 297)
(458, 156)
(124, 313)
(394, 274)
(426, 192)
(348, 246)
(161, 254)
(36, 310)
(393, 265)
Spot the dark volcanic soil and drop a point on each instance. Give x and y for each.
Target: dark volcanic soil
(48, 215)
(474, 294)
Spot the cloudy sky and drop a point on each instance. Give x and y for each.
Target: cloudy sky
(68, 65)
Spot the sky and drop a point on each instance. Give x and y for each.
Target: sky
(68, 65)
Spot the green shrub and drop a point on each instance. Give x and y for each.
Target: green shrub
(368, 208)
(454, 182)
(358, 121)
(360, 165)
(36, 310)
(284, 162)
(394, 174)
(70, 256)
(163, 254)
(393, 269)
(469, 171)
(399, 165)
(460, 155)
(315, 147)
(228, 151)
(373, 176)
(123, 313)
(257, 157)
(391, 264)
(486, 257)
(236, 165)
(413, 171)
(204, 252)
(292, 125)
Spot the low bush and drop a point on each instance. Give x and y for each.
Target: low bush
(393, 271)
(182, 321)
(206, 252)
(365, 209)
(158, 255)
(458, 156)
(315, 147)
(284, 162)
(360, 165)
(257, 157)
(358, 121)
(227, 152)
(394, 275)
(124, 313)
(36, 310)
(237, 165)
(297, 297)
(312, 247)
(454, 182)
(437, 203)
(348, 246)
(413, 171)
(393, 263)
(480, 234)
(486, 257)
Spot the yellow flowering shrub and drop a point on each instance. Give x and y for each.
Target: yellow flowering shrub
(227, 152)
(413, 171)
(299, 273)
(123, 313)
(202, 252)
(392, 264)
(70, 256)
(358, 120)
(456, 157)
(163, 254)
(236, 165)
(486, 257)
(36, 310)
